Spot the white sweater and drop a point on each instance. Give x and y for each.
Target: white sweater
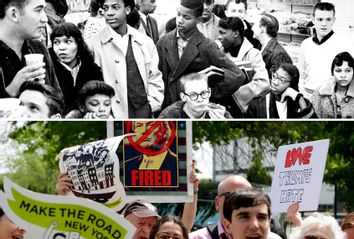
(315, 61)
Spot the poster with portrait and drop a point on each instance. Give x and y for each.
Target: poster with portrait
(94, 171)
(154, 159)
(45, 216)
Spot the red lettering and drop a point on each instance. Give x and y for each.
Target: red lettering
(293, 155)
(151, 178)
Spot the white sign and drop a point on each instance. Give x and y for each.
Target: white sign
(46, 216)
(298, 175)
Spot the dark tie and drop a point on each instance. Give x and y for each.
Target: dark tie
(148, 24)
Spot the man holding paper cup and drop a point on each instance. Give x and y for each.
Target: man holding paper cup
(21, 57)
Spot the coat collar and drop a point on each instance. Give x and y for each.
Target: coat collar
(328, 88)
(107, 36)
(270, 46)
(188, 55)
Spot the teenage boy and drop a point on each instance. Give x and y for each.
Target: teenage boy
(317, 52)
(239, 49)
(129, 63)
(185, 50)
(194, 103)
(209, 22)
(247, 214)
(20, 23)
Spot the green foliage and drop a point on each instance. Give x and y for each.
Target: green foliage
(35, 167)
(257, 173)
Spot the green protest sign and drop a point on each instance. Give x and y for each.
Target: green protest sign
(45, 216)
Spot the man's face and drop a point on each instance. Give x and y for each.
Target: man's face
(208, 10)
(323, 21)
(227, 37)
(32, 19)
(115, 13)
(34, 105)
(196, 87)
(139, 127)
(249, 222)
(185, 20)
(143, 225)
(10, 230)
(236, 10)
(256, 28)
(148, 6)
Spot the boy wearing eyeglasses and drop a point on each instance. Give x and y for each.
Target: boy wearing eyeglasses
(194, 103)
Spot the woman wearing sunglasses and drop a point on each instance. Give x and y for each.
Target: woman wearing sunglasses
(284, 101)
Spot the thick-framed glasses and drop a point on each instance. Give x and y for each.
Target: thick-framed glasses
(282, 80)
(164, 235)
(194, 96)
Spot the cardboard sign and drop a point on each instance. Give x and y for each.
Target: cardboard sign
(298, 175)
(153, 160)
(94, 171)
(46, 216)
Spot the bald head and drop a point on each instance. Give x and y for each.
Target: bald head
(233, 182)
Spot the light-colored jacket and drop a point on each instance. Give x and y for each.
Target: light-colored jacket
(325, 103)
(109, 56)
(260, 81)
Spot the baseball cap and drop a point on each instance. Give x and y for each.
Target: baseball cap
(141, 209)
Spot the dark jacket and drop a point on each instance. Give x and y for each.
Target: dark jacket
(10, 64)
(274, 55)
(199, 54)
(154, 35)
(88, 71)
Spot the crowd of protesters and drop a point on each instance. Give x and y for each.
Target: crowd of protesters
(140, 73)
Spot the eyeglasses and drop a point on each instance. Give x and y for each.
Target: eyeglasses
(164, 235)
(275, 76)
(194, 96)
(226, 194)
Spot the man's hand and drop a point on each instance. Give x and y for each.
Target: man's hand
(64, 184)
(27, 73)
(212, 70)
(193, 178)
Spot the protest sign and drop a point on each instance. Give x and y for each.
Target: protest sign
(298, 175)
(155, 162)
(94, 171)
(46, 216)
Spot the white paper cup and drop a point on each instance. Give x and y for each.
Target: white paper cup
(33, 58)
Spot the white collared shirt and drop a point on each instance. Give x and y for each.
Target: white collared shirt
(74, 71)
(181, 44)
(121, 41)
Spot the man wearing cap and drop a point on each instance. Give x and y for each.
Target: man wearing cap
(186, 50)
(143, 216)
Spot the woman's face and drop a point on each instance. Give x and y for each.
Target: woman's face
(343, 74)
(66, 50)
(99, 104)
(169, 230)
(280, 81)
(10, 230)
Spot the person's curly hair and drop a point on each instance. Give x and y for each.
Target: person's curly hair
(169, 218)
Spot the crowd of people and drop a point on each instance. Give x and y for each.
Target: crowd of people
(119, 65)
(245, 212)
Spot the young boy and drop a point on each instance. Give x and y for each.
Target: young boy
(195, 94)
(129, 63)
(185, 50)
(317, 52)
(247, 214)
